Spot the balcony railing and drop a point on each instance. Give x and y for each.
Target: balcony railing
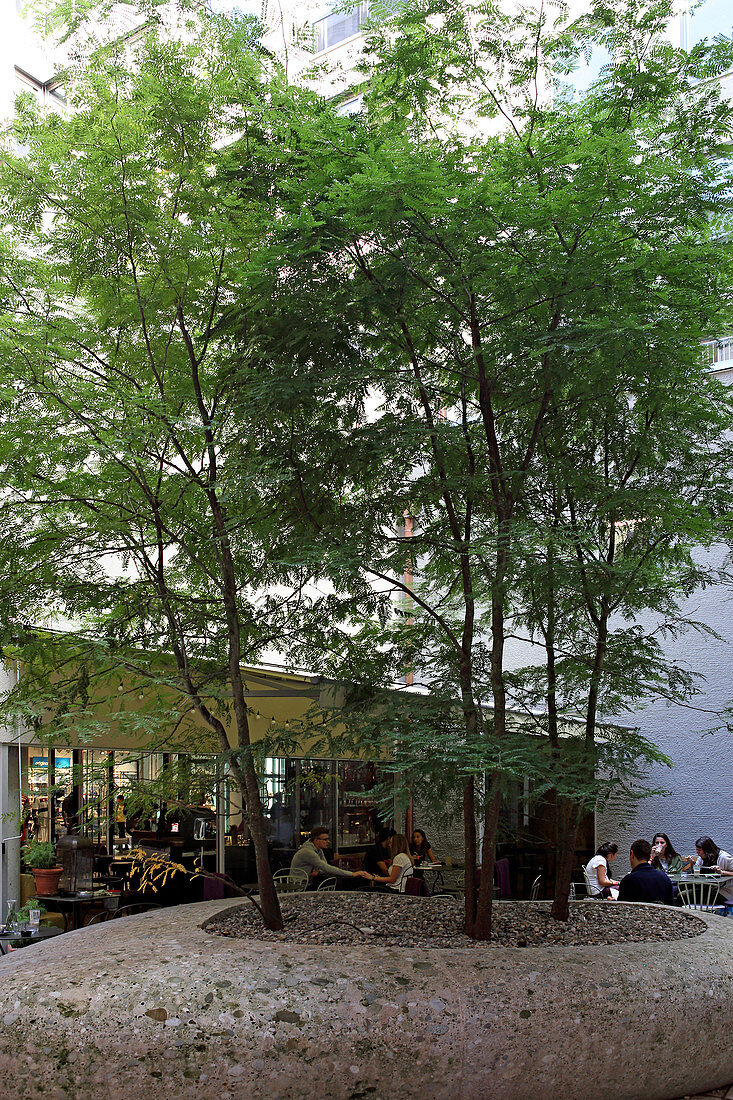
(718, 353)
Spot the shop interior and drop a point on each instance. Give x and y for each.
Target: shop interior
(173, 803)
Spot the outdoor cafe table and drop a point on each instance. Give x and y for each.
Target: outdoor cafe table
(430, 873)
(45, 932)
(689, 876)
(75, 904)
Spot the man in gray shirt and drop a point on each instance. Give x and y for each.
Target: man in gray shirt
(310, 858)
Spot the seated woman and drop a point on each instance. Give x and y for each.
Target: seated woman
(713, 858)
(664, 857)
(400, 868)
(420, 849)
(599, 884)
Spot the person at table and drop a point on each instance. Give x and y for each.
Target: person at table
(644, 882)
(664, 857)
(420, 849)
(712, 858)
(377, 858)
(599, 883)
(400, 868)
(311, 859)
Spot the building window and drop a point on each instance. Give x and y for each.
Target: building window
(340, 25)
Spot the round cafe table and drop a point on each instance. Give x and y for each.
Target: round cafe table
(45, 932)
(73, 905)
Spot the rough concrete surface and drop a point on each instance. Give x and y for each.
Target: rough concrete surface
(152, 1007)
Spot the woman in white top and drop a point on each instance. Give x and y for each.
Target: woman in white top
(599, 884)
(400, 868)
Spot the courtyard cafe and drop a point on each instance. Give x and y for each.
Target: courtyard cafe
(133, 823)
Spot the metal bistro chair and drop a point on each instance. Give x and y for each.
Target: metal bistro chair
(290, 882)
(327, 884)
(110, 913)
(700, 894)
(534, 892)
(588, 892)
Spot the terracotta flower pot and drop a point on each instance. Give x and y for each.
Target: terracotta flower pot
(47, 880)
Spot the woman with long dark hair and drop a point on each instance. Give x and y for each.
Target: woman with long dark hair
(420, 849)
(713, 858)
(664, 856)
(596, 870)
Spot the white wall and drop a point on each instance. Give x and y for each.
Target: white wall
(701, 779)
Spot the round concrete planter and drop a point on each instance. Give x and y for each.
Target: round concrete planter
(152, 1006)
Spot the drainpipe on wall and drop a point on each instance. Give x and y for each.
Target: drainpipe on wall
(10, 805)
(221, 788)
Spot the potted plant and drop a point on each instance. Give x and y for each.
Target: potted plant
(40, 858)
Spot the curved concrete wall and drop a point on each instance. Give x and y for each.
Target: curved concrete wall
(153, 1007)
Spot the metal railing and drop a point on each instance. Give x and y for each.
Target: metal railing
(718, 353)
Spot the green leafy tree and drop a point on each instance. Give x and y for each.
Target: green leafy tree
(625, 506)
(135, 505)
(500, 249)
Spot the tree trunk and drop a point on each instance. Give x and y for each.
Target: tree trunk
(469, 844)
(248, 783)
(567, 833)
(481, 929)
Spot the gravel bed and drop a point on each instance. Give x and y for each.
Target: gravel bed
(355, 918)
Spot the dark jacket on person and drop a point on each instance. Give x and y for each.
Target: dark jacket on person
(645, 883)
(374, 855)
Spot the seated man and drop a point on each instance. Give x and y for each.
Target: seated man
(644, 882)
(378, 858)
(310, 858)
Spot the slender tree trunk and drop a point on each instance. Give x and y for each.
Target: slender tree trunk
(245, 772)
(250, 786)
(469, 844)
(481, 929)
(248, 783)
(567, 833)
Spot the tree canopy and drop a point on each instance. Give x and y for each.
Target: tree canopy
(267, 368)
